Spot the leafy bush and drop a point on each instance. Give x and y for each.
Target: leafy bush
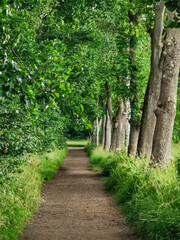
(20, 193)
(149, 197)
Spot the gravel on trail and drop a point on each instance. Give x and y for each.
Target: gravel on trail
(76, 206)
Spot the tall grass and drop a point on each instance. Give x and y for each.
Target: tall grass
(176, 154)
(20, 194)
(149, 197)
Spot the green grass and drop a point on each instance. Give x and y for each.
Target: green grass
(149, 197)
(77, 143)
(175, 152)
(20, 194)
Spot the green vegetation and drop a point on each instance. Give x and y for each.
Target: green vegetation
(20, 193)
(77, 143)
(148, 196)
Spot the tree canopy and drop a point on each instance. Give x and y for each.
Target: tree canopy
(56, 58)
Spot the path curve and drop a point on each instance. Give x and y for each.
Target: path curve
(76, 206)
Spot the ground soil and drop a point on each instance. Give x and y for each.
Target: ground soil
(76, 206)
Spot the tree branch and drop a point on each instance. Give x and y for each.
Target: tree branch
(15, 54)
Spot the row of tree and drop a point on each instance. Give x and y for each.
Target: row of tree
(67, 66)
(150, 136)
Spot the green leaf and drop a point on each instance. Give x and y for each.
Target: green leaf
(49, 82)
(56, 94)
(88, 126)
(82, 108)
(37, 85)
(62, 86)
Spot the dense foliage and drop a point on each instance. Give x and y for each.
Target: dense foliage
(30, 81)
(56, 57)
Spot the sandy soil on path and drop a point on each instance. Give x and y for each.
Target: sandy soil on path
(76, 206)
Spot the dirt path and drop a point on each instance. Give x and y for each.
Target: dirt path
(76, 206)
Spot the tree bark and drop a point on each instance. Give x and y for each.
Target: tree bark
(94, 132)
(128, 125)
(107, 142)
(148, 121)
(133, 141)
(115, 123)
(121, 126)
(166, 107)
(119, 122)
(108, 124)
(103, 131)
(98, 123)
(134, 122)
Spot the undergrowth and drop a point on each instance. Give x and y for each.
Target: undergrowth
(20, 193)
(149, 197)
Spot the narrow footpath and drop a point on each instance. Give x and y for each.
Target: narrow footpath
(76, 206)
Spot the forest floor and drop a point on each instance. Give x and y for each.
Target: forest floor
(76, 206)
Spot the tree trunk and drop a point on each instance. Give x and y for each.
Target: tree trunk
(134, 122)
(122, 126)
(128, 125)
(115, 123)
(148, 121)
(98, 124)
(133, 141)
(103, 130)
(166, 107)
(94, 132)
(108, 124)
(119, 127)
(107, 142)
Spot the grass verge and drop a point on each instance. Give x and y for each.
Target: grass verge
(20, 194)
(77, 143)
(149, 197)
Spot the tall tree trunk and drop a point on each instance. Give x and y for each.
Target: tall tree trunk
(134, 122)
(94, 132)
(148, 121)
(166, 107)
(98, 124)
(128, 125)
(121, 126)
(107, 142)
(108, 124)
(133, 141)
(115, 123)
(103, 130)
